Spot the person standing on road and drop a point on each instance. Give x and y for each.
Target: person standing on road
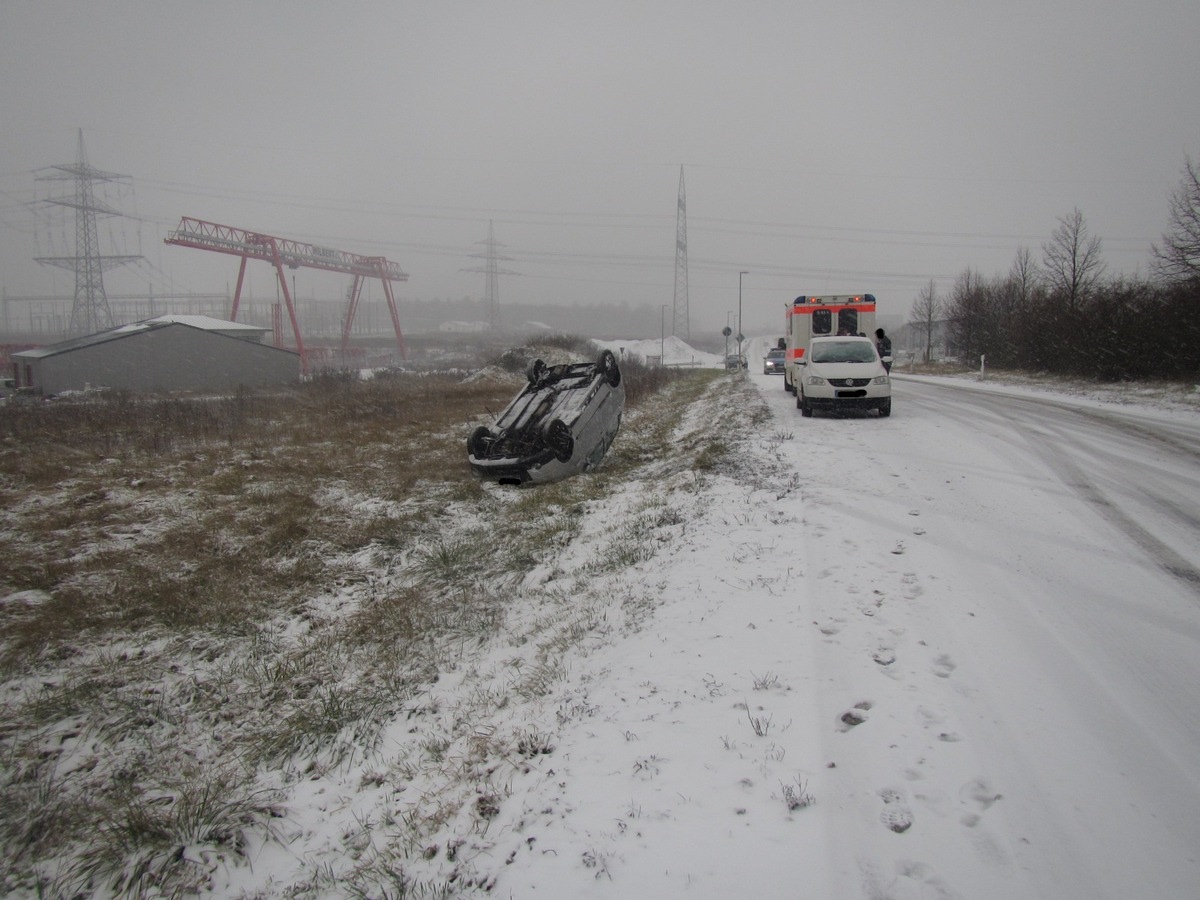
(883, 344)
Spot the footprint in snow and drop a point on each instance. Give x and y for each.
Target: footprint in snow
(855, 716)
(943, 666)
(896, 815)
(979, 796)
(917, 879)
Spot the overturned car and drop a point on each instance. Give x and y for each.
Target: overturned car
(560, 424)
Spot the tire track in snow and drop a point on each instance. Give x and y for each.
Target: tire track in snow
(1059, 447)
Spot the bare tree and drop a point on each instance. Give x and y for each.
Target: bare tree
(1072, 260)
(1018, 301)
(1023, 276)
(926, 311)
(976, 317)
(1178, 259)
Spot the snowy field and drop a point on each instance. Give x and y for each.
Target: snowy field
(950, 654)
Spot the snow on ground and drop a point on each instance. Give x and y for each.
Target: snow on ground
(869, 638)
(1151, 399)
(673, 351)
(900, 626)
(878, 658)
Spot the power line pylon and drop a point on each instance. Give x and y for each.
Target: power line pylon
(492, 272)
(680, 326)
(90, 313)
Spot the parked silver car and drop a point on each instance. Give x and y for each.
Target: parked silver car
(561, 423)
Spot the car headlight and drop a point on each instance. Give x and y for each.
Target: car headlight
(814, 379)
(880, 379)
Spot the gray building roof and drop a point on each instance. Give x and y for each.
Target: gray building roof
(204, 323)
(165, 353)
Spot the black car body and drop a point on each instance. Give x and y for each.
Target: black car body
(560, 424)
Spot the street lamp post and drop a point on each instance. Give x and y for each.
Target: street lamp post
(740, 334)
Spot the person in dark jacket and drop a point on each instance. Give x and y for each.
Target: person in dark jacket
(883, 344)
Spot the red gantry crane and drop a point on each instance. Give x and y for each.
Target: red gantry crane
(282, 252)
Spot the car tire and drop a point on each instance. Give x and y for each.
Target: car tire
(559, 439)
(607, 366)
(885, 408)
(536, 370)
(478, 441)
(804, 406)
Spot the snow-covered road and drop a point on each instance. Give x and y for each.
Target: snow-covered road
(970, 632)
(1048, 553)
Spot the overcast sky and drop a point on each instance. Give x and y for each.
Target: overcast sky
(826, 146)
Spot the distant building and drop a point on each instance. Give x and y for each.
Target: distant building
(167, 353)
(913, 339)
(456, 327)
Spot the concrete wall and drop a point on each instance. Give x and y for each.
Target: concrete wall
(173, 357)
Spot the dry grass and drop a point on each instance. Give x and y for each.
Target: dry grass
(260, 579)
(211, 513)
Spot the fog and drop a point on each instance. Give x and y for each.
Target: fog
(825, 147)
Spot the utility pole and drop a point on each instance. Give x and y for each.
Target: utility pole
(679, 315)
(740, 335)
(90, 312)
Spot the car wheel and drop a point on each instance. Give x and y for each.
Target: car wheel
(536, 370)
(558, 439)
(607, 366)
(885, 408)
(478, 442)
(804, 406)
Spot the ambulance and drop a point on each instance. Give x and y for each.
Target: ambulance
(832, 314)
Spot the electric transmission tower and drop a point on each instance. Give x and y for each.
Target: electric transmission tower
(492, 272)
(90, 313)
(679, 311)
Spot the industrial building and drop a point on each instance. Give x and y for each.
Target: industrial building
(166, 353)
